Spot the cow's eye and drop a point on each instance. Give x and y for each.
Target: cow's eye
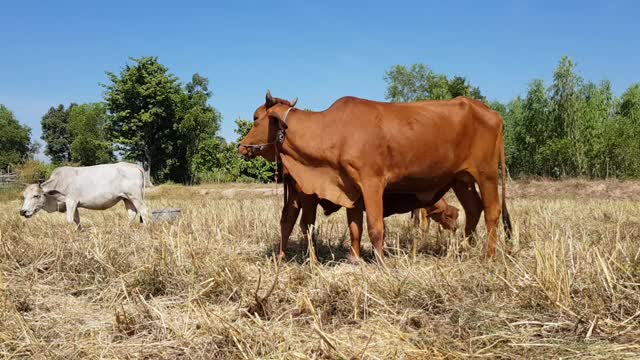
(36, 196)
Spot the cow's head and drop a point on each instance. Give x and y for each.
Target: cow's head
(261, 139)
(34, 200)
(448, 218)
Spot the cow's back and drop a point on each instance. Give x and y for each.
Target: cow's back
(97, 182)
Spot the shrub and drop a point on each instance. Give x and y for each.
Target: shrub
(33, 171)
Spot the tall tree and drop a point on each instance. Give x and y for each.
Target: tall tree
(565, 99)
(512, 117)
(596, 102)
(86, 128)
(15, 140)
(531, 129)
(201, 121)
(55, 133)
(157, 121)
(144, 101)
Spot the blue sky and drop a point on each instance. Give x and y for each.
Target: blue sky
(58, 52)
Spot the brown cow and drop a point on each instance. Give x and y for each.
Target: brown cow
(382, 149)
(442, 213)
(296, 202)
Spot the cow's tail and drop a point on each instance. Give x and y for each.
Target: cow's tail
(144, 180)
(144, 186)
(506, 219)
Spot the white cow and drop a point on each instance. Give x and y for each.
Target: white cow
(96, 187)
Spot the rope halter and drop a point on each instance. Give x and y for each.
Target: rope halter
(279, 140)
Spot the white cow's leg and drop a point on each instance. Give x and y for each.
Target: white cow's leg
(142, 209)
(131, 209)
(73, 216)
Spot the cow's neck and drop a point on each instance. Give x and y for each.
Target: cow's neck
(309, 152)
(304, 129)
(54, 203)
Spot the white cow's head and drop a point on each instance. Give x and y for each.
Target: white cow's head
(34, 200)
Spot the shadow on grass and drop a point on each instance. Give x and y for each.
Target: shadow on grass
(328, 253)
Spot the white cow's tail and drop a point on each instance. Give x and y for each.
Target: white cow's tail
(144, 180)
(144, 216)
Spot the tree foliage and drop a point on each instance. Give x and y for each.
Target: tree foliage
(572, 128)
(89, 145)
(219, 161)
(55, 133)
(418, 82)
(156, 120)
(15, 140)
(201, 121)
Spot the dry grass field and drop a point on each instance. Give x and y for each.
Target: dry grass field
(566, 286)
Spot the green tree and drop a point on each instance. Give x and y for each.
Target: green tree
(86, 128)
(157, 121)
(418, 82)
(624, 133)
(438, 87)
(15, 140)
(531, 130)
(144, 103)
(407, 84)
(594, 117)
(55, 133)
(201, 121)
(565, 103)
(219, 161)
(630, 105)
(512, 117)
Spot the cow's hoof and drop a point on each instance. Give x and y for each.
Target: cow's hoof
(281, 257)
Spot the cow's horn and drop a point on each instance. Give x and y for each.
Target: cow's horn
(294, 102)
(269, 98)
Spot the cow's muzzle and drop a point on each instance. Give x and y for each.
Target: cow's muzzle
(249, 151)
(25, 213)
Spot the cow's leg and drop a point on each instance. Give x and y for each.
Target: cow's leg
(73, 216)
(488, 183)
(372, 195)
(424, 219)
(425, 222)
(290, 212)
(354, 218)
(141, 208)
(415, 214)
(472, 205)
(307, 221)
(131, 209)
